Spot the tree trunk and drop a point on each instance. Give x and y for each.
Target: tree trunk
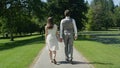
(3, 35)
(11, 36)
(6, 35)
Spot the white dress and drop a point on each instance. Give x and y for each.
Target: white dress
(51, 39)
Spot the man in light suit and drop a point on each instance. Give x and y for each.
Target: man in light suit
(68, 32)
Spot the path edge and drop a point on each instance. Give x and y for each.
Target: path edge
(36, 58)
(84, 58)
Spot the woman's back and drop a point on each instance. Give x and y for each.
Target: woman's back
(53, 30)
(52, 39)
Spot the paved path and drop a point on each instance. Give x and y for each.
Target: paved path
(43, 61)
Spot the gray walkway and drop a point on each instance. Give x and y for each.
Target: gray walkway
(42, 61)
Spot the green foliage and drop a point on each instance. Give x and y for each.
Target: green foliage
(111, 5)
(88, 24)
(56, 9)
(117, 16)
(18, 16)
(102, 15)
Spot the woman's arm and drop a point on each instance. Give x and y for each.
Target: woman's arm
(57, 33)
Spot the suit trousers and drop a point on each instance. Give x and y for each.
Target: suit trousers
(68, 41)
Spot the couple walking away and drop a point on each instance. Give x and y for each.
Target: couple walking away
(68, 32)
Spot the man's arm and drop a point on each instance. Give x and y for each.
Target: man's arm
(75, 29)
(61, 30)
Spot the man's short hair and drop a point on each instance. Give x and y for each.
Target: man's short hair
(67, 12)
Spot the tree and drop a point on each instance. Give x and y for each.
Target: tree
(111, 5)
(102, 14)
(89, 23)
(18, 16)
(56, 8)
(117, 16)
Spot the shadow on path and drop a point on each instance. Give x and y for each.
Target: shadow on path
(78, 62)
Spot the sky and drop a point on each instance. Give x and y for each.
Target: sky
(116, 2)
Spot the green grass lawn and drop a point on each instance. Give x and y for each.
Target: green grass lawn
(101, 51)
(19, 53)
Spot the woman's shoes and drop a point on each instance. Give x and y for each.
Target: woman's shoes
(51, 61)
(54, 61)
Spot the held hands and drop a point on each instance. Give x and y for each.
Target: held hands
(60, 39)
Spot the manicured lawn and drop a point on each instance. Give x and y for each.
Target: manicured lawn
(101, 51)
(20, 53)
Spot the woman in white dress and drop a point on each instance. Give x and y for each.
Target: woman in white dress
(51, 39)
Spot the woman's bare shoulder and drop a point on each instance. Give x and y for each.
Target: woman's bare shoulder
(45, 26)
(55, 25)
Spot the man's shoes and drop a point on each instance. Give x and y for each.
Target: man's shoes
(67, 60)
(71, 61)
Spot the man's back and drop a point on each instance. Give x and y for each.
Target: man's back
(67, 25)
